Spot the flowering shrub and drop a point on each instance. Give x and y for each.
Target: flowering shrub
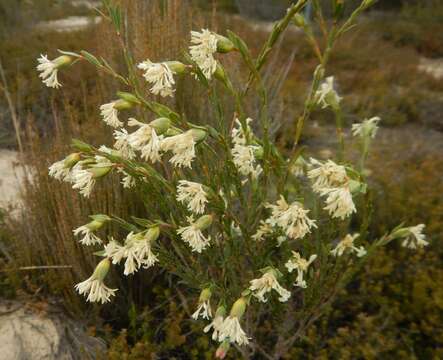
(230, 215)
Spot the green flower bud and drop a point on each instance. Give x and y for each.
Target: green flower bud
(122, 104)
(71, 160)
(153, 234)
(221, 311)
(161, 125)
(97, 222)
(198, 134)
(102, 269)
(220, 74)
(258, 152)
(205, 295)
(177, 67)
(299, 20)
(203, 222)
(62, 61)
(98, 172)
(222, 350)
(224, 45)
(131, 98)
(173, 132)
(239, 308)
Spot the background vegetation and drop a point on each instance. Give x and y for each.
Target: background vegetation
(396, 307)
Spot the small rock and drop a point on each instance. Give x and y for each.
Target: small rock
(27, 334)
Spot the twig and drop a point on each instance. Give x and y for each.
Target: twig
(47, 267)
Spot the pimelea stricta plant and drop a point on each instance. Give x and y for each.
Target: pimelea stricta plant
(262, 237)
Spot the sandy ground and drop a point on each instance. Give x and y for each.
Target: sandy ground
(10, 175)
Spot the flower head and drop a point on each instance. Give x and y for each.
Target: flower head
(326, 175)
(160, 76)
(216, 323)
(84, 179)
(192, 194)
(61, 170)
(110, 111)
(87, 231)
(182, 146)
(244, 160)
(292, 219)
(145, 140)
(192, 234)
(202, 49)
(366, 129)
(49, 69)
(95, 288)
(347, 245)
(265, 284)
(263, 230)
(414, 237)
(231, 329)
(122, 144)
(339, 202)
(204, 306)
(297, 262)
(326, 95)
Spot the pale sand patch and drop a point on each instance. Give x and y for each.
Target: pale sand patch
(11, 175)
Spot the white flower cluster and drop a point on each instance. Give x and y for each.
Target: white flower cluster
(242, 152)
(292, 219)
(296, 262)
(331, 180)
(347, 245)
(202, 50)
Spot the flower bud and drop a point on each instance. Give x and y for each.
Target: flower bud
(400, 233)
(97, 222)
(98, 172)
(102, 269)
(161, 125)
(153, 234)
(222, 350)
(299, 20)
(221, 311)
(177, 67)
(239, 307)
(220, 74)
(71, 160)
(205, 295)
(258, 152)
(62, 61)
(224, 45)
(122, 104)
(356, 186)
(131, 98)
(203, 222)
(173, 132)
(198, 134)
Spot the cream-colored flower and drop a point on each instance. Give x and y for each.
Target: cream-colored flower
(193, 235)
(244, 160)
(367, 129)
(183, 148)
(326, 175)
(240, 135)
(61, 170)
(89, 238)
(292, 219)
(122, 144)
(260, 287)
(347, 245)
(415, 238)
(263, 230)
(83, 179)
(109, 112)
(192, 194)
(216, 323)
(301, 265)
(339, 202)
(145, 140)
(160, 76)
(232, 330)
(95, 288)
(202, 49)
(49, 69)
(204, 306)
(128, 181)
(326, 95)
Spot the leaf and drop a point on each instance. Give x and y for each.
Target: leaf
(244, 51)
(142, 222)
(69, 53)
(164, 111)
(91, 58)
(124, 224)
